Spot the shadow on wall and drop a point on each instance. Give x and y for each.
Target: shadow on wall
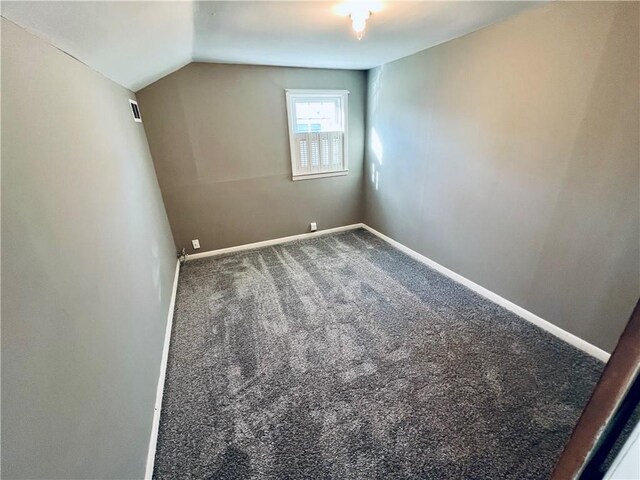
(599, 198)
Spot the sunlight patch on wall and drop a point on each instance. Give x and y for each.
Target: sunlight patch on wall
(376, 145)
(374, 90)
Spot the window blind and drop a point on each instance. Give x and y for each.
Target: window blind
(318, 152)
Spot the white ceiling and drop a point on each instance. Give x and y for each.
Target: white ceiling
(136, 43)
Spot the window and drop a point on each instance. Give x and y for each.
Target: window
(317, 133)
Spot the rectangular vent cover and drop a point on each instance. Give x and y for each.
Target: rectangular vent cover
(135, 110)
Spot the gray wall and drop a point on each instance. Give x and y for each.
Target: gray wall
(511, 156)
(87, 269)
(219, 139)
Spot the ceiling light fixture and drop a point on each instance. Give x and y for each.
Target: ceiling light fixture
(359, 22)
(359, 13)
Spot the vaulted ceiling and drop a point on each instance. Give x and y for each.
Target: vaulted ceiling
(136, 43)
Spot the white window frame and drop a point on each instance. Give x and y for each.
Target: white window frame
(291, 95)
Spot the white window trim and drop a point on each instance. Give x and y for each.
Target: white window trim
(344, 94)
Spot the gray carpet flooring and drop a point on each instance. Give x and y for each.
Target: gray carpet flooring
(340, 357)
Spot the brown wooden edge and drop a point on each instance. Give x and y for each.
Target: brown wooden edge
(616, 378)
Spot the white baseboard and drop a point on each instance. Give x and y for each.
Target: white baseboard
(153, 441)
(521, 312)
(494, 297)
(275, 241)
(503, 302)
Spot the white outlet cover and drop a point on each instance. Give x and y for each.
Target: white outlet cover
(313, 226)
(196, 244)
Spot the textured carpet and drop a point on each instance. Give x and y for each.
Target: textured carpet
(340, 357)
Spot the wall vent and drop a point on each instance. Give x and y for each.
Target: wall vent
(135, 110)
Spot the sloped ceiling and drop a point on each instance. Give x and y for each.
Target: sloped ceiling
(132, 43)
(136, 43)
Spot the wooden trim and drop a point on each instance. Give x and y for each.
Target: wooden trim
(614, 383)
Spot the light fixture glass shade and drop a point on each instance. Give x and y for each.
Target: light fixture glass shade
(359, 25)
(359, 12)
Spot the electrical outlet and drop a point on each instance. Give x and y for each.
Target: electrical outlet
(313, 226)
(196, 244)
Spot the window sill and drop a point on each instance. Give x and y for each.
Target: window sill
(311, 176)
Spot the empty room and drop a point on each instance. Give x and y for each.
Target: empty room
(320, 240)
